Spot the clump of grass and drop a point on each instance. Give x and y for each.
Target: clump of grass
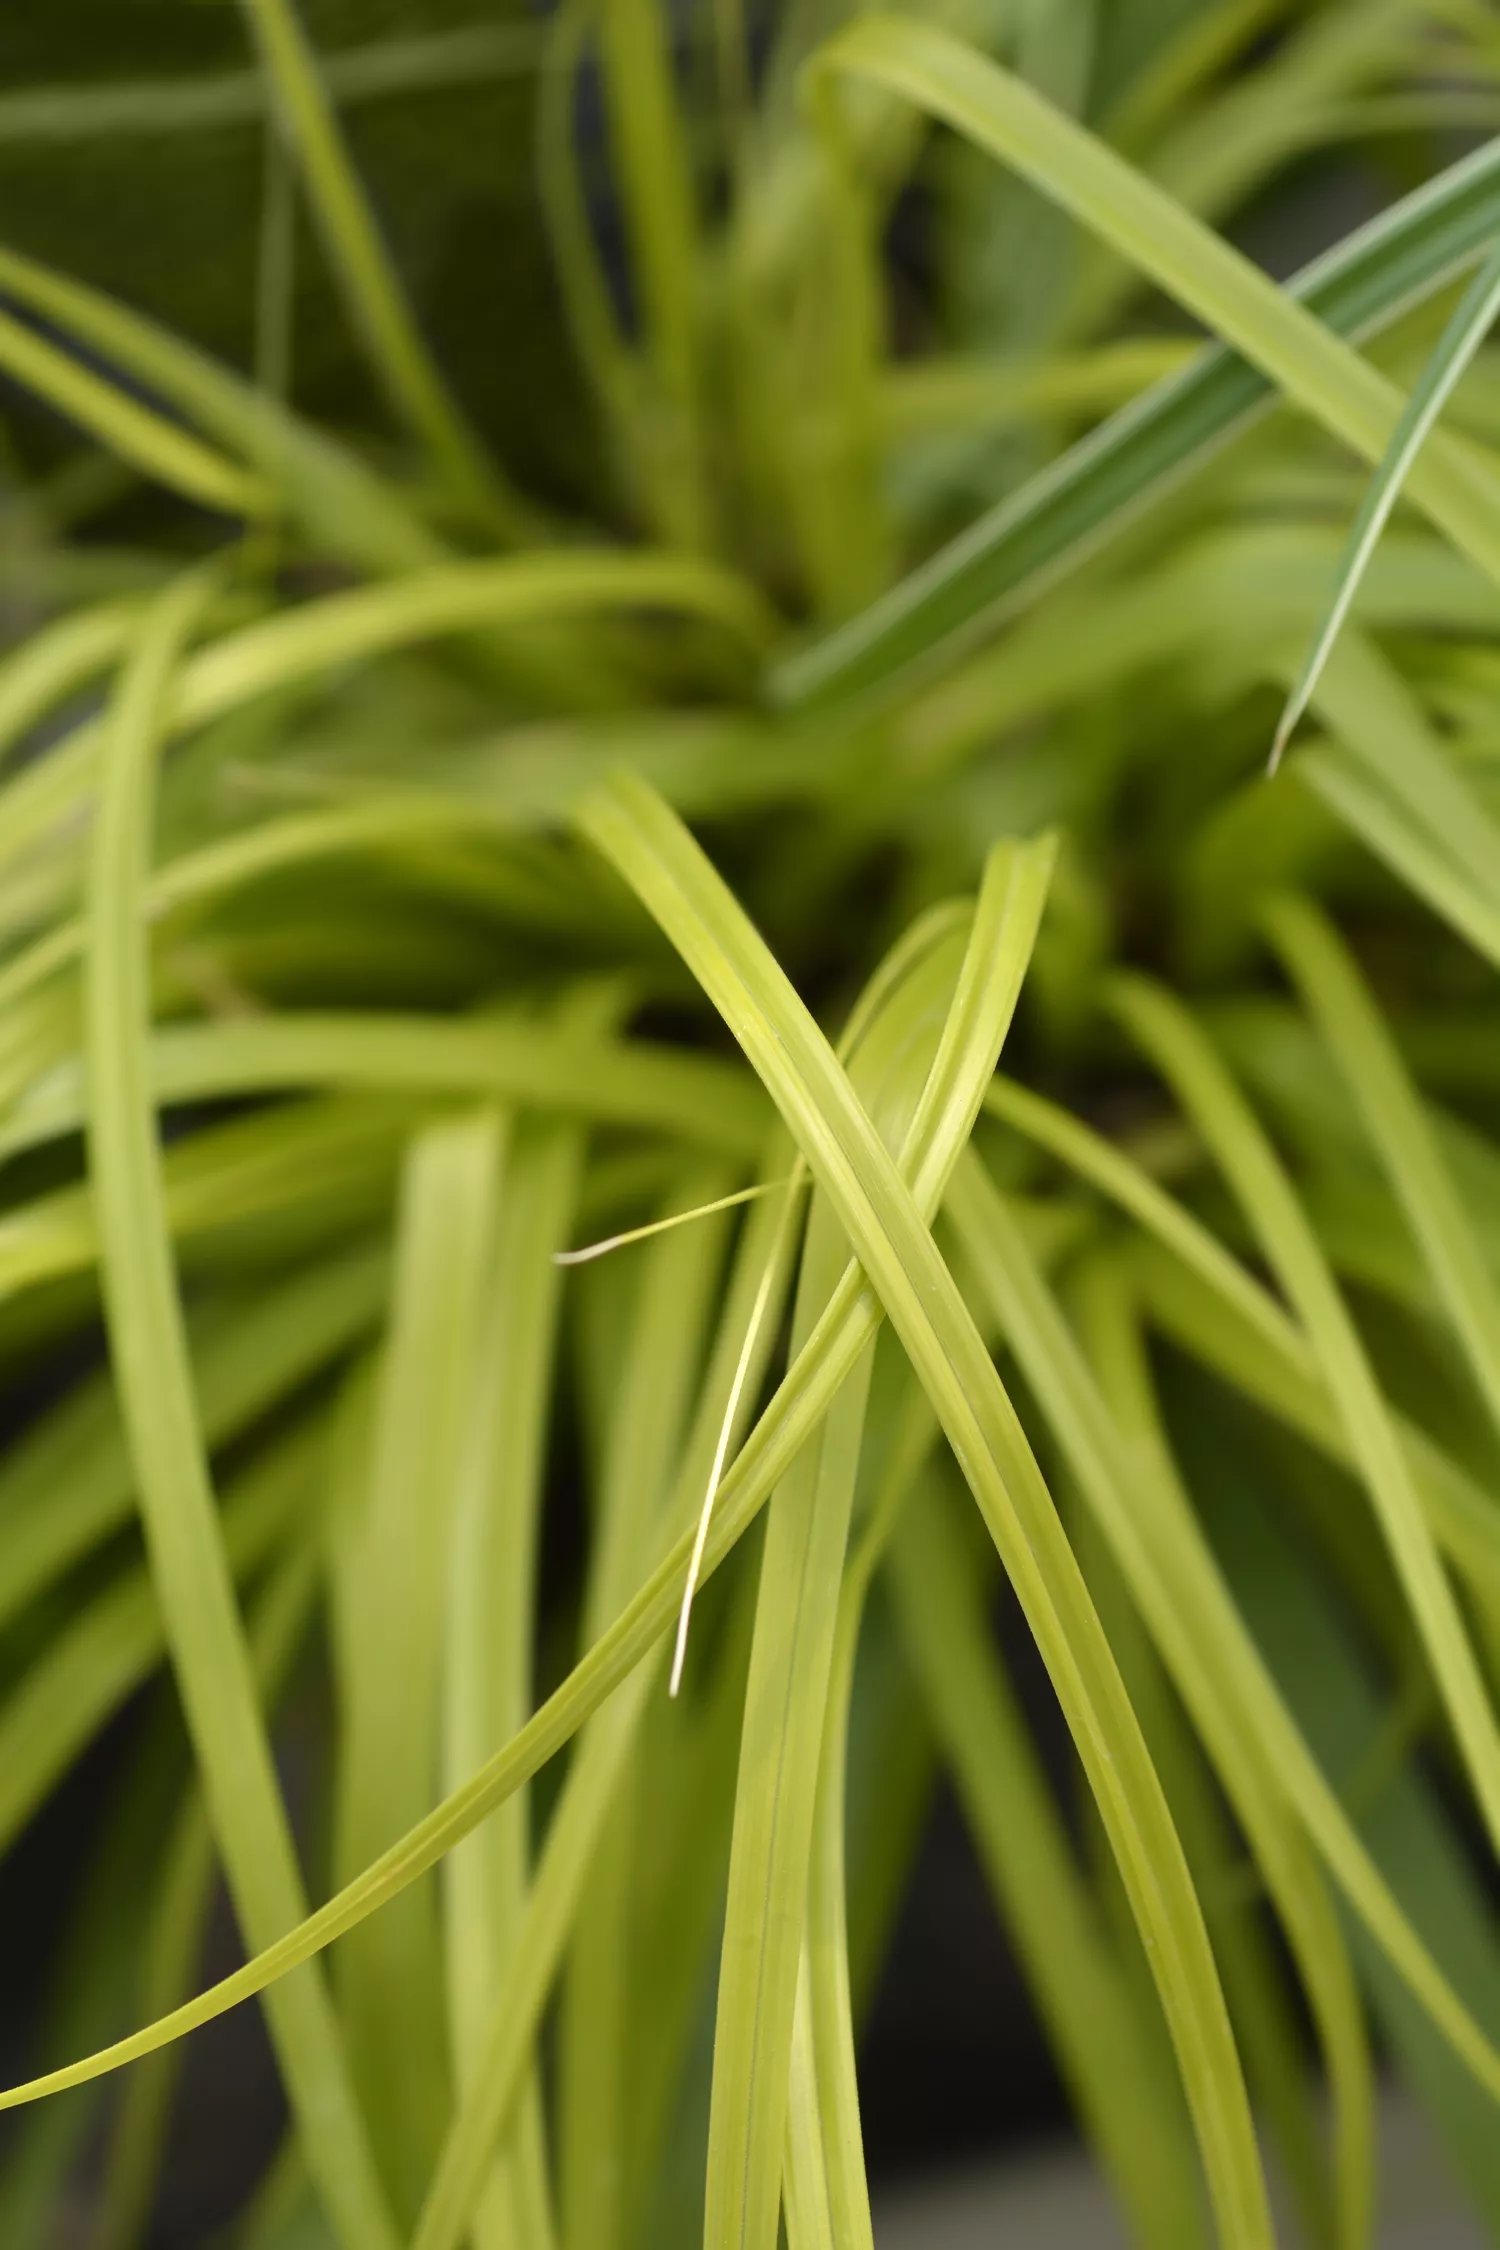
(502, 990)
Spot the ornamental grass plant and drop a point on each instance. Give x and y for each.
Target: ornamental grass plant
(659, 1023)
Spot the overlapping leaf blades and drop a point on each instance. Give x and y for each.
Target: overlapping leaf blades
(377, 933)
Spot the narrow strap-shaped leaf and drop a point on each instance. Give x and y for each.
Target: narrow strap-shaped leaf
(1100, 486)
(1269, 2024)
(792, 1653)
(600, 1761)
(1387, 830)
(390, 1558)
(537, 1065)
(1112, 2072)
(56, 660)
(178, 1924)
(1410, 1831)
(1241, 1327)
(137, 433)
(1172, 1599)
(490, 1656)
(1134, 217)
(907, 984)
(363, 266)
(1167, 1033)
(1391, 1109)
(153, 1372)
(344, 505)
(346, 628)
(655, 183)
(365, 72)
(1369, 708)
(922, 1301)
(793, 1413)
(656, 1352)
(906, 1435)
(1468, 325)
(806, 2215)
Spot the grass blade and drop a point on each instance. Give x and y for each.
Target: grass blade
(656, 191)
(1101, 485)
(160, 1414)
(1409, 1831)
(136, 433)
(174, 1937)
(1391, 1110)
(490, 1658)
(1134, 2119)
(669, 1308)
(379, 620)
(1177, 1603)
(637, 1084)
(987, 987)
(1408, 848)
(1169, 1036)
(390, 1549)
(558, 1884)
(786, 1696)
(1471, 321)
(922, 1301)
(1222, 1314)
(364, 269)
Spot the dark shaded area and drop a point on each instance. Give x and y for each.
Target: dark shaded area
(953, 2062)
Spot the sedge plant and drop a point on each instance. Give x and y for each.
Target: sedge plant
(660, 1033)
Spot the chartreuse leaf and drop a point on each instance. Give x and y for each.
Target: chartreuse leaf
(806, 2218)
(149, 1353)
(1222, 1313)
(1122, 208)
(389, 1566)
(1191, 1605)
(67, 1483)
(1134, 2119)
(988, 983)
(793, 1413)
(177, 1925)
(655, 181)
(1468, 325)
(363, 268)
(1391, 1110)
(1410, 1832)
(1378, 719)
(824, 2081)
(515, 2009)
(1408, 848)
(342, 504)
(57, 660)
(370, 621)
(305, 1171)
(1173, 1608)
(754, 2130)
(655, 1351)
(1101, 485)
(923, 1303)
(490, 1656)
(1167, 1033)
(1268, 2023)
(137, 433)
(544, 1065)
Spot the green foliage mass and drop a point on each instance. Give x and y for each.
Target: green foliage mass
(601, 609)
